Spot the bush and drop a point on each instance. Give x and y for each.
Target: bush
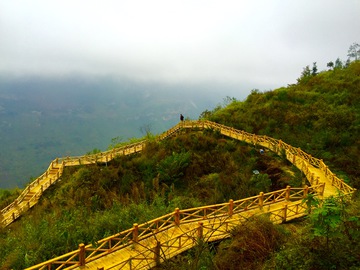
(251, 244)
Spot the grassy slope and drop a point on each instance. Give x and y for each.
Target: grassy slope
(320, 114)
(92, 202)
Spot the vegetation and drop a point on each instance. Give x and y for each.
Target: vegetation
(8, 196)
(92, 202)
(249, 247)
(320, 114)
(327, 239)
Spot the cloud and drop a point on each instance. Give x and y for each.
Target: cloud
(261, 42)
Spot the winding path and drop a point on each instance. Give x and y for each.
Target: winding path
(150, 243)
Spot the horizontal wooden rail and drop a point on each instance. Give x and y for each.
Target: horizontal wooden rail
(216, 212)
(314, 170)
(295, 155)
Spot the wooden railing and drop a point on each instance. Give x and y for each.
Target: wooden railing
(53, 173)
(305, 162)
(295, 155)
(226, 214)
(18, 204)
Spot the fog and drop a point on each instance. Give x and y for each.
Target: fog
(75, 74)
(252, 44)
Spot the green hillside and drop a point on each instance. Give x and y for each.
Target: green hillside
(320, 114)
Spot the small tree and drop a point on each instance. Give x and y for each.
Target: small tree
(314, 70)
(306, 71)
(330, 64)
(311, 202)
(305, 75)
(327, 219)
(338, 64)
(354, 51)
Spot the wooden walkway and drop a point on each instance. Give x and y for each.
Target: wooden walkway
(148, 244)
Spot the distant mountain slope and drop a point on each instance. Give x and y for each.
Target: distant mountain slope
(41, 119)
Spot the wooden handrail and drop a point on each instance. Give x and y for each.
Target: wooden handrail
(305, 162)
(186, 216)
(265, 141)
(163, 223)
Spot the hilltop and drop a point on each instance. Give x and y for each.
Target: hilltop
(319, 114)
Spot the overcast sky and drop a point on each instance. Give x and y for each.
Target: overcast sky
(262, 44)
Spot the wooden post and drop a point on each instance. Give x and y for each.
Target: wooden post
(322, 190)
(82, 254)
(287, 193)
(306, 190)
(157, 253)
(285, 212)
(261, 199)
(177, 216)
(200, 230)
(312, 179)
(279, 146)
(231, 207)
(135, 232)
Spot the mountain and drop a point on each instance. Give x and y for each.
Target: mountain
(320, 114)
(45, 118)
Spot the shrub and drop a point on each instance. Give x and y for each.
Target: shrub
(251, 244)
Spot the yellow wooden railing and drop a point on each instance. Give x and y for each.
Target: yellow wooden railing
(298, 157)
(35, 189)
(219, 213)
(320, 178)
